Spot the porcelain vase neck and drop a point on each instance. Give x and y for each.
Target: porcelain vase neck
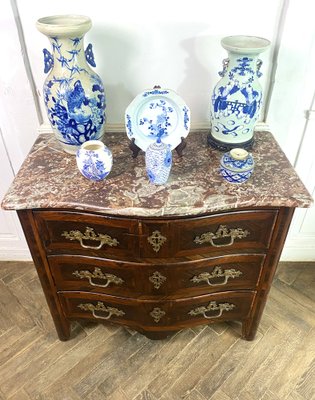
(69, 55)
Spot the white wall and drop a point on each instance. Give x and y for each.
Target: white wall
(139, 44)
(294, 81)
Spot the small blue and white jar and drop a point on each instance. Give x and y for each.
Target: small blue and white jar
(94, 160)
(237, 165)
(158, 161)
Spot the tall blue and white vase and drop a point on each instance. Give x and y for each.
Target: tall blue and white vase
(73, 93)
(158, 162)
(237, 98)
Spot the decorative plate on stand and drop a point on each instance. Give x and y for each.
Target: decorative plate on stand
(157, 113)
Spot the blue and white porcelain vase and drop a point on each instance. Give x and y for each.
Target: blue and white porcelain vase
(158, 162)
(73, 92)
(237, 165)
(94, 160)
(237, 97)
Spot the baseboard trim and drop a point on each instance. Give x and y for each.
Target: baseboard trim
(298, 248)
(298, 254)
(15, 255)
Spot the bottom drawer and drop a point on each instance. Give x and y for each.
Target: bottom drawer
(157, 315)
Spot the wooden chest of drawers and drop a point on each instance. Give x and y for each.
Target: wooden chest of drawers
(157, 275)
(156, 259)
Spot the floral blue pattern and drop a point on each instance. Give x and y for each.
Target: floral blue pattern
(73, 94)
(243, 67)
(94, 164)
(155, 114)
(94, 169)
(158, 127)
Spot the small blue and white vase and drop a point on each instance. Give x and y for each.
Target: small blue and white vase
(94, 160)
(237, 98)
(73, 93)
(237, 165)
(158, 161)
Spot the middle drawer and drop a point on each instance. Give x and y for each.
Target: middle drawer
(143, 280)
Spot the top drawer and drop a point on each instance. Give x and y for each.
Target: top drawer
(226, 233)
(87, 234)
(81, 233)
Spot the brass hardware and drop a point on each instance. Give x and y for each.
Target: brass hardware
(156, 240)
(222, 232)
(101, 307)
(157, 279)
(98, 274)
(157, 314)
(216, 273)
(212, 306)
(89, 234)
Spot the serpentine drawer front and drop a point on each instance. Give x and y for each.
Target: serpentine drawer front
(90, 234)
(184, 279)
(233, 232)
(87, 234)
(174, 314)
(156, 258)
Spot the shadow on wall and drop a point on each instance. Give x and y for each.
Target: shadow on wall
(132, 59)
(200, 75)
(113, 59)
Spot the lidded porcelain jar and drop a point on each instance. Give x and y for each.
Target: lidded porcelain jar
(237, 165)
(237, 98)
(158, 161)
(73, 93)
(94, 160)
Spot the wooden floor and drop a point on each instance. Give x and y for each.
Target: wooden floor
(106, 362)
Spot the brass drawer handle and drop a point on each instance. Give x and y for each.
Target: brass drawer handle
(157, 314)
(212, 306)
(101, 307)
(157, 279)
(89, 234)
(98, 274)
(157, 240)
(222, 232)
(216, 273)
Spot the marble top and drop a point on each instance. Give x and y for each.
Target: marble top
(49, 178)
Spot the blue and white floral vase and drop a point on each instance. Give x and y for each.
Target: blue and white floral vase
(73, 93)
(94, 160)
(158, 162)
(237, 165)
(237, 97)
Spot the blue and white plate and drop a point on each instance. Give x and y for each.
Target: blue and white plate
(157, 113)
